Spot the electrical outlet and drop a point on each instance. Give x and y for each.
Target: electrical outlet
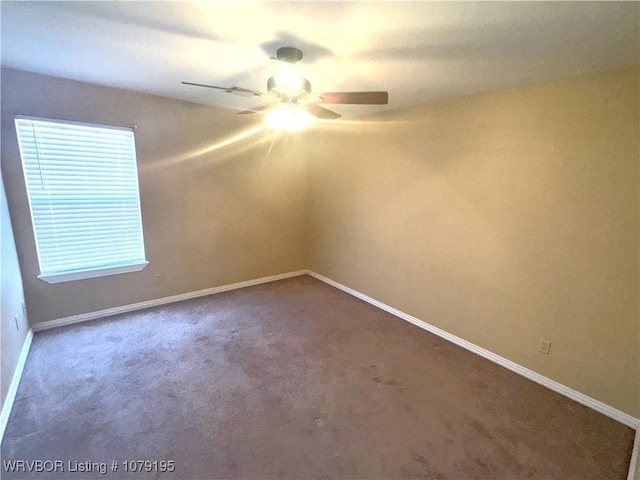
(159, 278)
(545, 347)
(16, 319)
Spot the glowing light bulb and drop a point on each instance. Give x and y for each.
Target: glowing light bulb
(300, 120)
(277, 117)
(289, 118)
(289, 79)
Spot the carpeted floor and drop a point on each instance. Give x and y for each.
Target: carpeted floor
(292, 379)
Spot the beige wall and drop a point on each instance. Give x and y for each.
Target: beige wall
(11, 296)
(503, 218)
(214, 212)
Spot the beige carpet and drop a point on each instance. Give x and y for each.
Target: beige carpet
(292, 379)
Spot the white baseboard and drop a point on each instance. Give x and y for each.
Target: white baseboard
(15, 381)
(160, 301)
(596, 405)
(633, 466)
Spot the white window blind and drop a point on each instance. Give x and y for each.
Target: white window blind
(82, 183)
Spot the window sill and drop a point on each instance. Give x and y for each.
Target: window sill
(84, 274)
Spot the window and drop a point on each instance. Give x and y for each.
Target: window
(82, 183)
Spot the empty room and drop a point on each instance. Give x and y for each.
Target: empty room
(347, 240)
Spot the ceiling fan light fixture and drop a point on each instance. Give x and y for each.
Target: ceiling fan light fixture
(288, 79)
(289, 118)
(299, 106)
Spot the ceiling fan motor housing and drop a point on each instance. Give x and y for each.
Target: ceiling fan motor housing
(289, 54)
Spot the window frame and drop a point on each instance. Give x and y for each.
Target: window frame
(86, 273)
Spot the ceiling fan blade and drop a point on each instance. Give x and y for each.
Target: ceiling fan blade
(355, 98)
(256, 109)
(321, 112)
(244, 92)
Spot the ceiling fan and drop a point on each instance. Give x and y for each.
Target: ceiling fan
(290, 103)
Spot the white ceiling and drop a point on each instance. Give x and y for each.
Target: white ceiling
(417, 51)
